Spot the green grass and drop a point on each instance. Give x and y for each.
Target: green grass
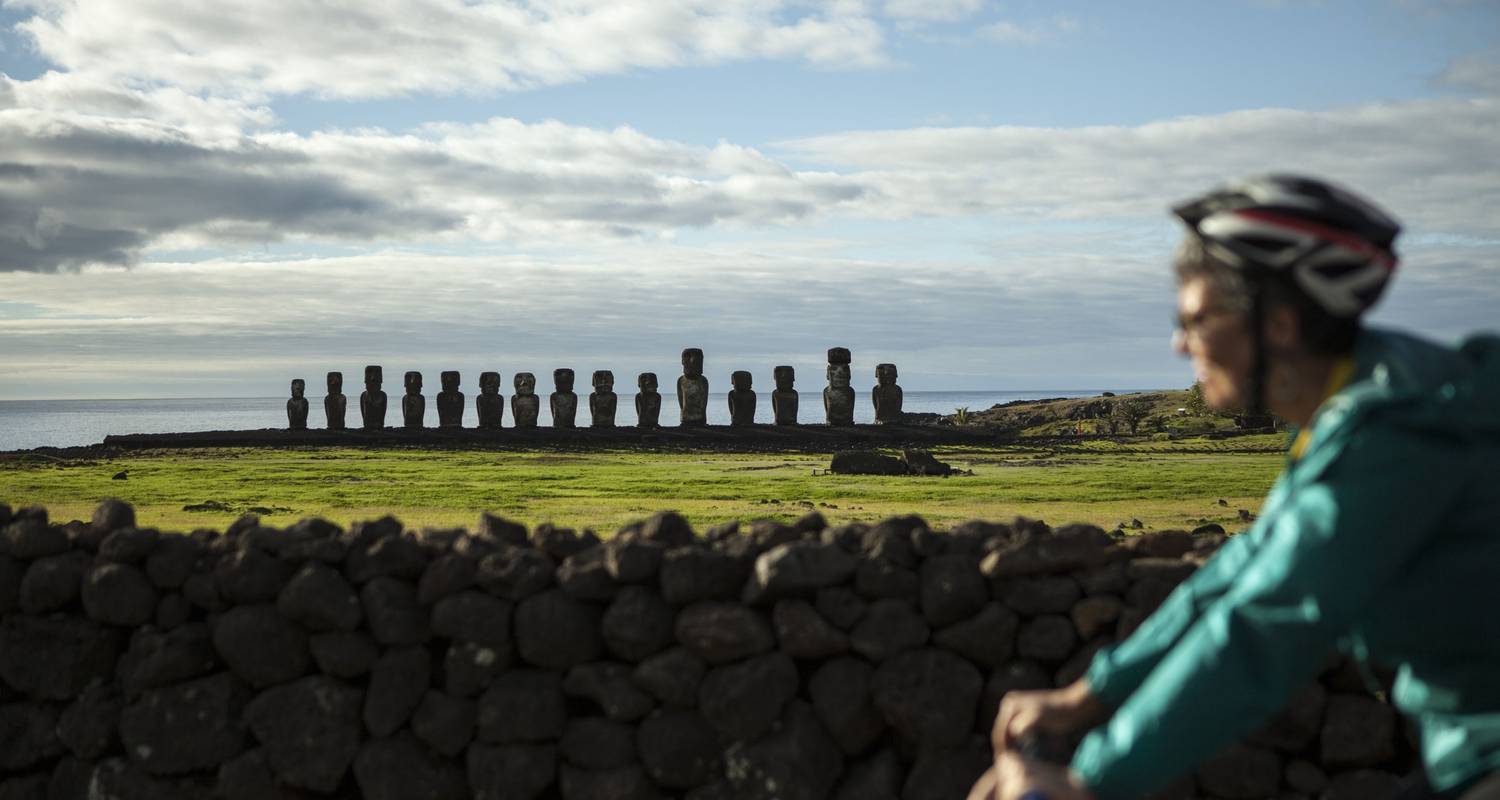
(1164, 484)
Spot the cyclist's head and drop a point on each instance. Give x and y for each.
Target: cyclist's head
(1305, 257)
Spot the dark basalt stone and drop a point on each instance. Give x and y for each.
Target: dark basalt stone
(841, 606)
(742, 700)
(511, 772)
(638, 624)
(799, 569)
(30, 537)
(952, 589)
(109, 516)
(928, 696)
(309, 730)
(401, 768)
(515, 574)
(52, 583)
(55, 658)
(1241, 771)
(723, 632)
(171, 561)
(669, 529)
(673, 677)
(630, 561)
(119, 595)
(128, 545)
(1049, 638)
(610, 687)
(392, 613)
(444, 723)
(522, 705)
(87, 727)
(446, 575)
(988, 638)
(875, 580)
(1045, 594)
(161, 658)
(679, 748)
(939, 774)
(251, 576)
(186, 727)
(398, 680)
(319, 599)
(797, 760)
(621, 783)
(557, 631)
(876, 777)
(692, 574)
(599, 743)
(392, 556)
(344, 654)
(888, 627)
(247, 776)
(803, 633)
(28, 732)
(260, 646)
(840, 692)
(473, 616)
(585, 576)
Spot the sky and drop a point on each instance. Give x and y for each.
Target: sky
(209, 199)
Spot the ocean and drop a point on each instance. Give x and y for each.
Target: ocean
(25, 424)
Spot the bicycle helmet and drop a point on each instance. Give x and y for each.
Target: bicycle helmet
(1333, 245)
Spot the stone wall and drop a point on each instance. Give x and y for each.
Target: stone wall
(760, 661)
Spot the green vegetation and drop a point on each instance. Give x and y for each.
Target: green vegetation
(1175, 483)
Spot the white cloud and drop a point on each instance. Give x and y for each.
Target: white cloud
(1477, 72)
(351, 48)
(1011, 32)
(932, 10)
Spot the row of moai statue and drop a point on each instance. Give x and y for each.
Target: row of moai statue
(692, 398)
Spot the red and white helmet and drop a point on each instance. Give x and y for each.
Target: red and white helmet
(1333, 245)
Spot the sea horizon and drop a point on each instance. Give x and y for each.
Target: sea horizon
(71, 422)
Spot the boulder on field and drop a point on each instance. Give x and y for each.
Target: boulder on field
(187, 727)
(556, 631)
(723, 632)
(921, 462)
(866, 462)
(309, 730)
(261, 646)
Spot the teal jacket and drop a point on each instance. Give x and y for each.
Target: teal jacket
(1383, 539)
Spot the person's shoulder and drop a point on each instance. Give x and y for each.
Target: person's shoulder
(1405, 379)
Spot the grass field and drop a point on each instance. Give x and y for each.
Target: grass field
(1164, 484)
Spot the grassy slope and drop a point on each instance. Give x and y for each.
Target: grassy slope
(1056, 417)
(1165, 484)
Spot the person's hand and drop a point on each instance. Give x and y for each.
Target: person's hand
(1013, 777)
(1052, 712)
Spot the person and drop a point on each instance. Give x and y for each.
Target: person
(1380, 536)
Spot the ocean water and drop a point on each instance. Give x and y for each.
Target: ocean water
(25, 424)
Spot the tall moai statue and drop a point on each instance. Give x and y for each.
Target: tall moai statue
(450, 401)
(564, 402)
(524, 404)
(692, 389)
(603, 401)
(647, 402)
(741, 399)
(489, 403)
(886, 395)
(372, 400)
(784, 397)
(413, 404)
(296, 406)
(838, 398)
(335, 403)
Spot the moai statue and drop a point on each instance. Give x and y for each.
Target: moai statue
(372, 400)
(784, 398)
(887, 395)
(838, 398)
(564, 402)
(603, 401)
(524, 404)
(692, 389)
(335, 403)
(296, 406)
(647, 402)
(413, 404)
(450, 402)
(489, 403)
(741, 399)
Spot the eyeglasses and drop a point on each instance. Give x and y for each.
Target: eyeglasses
(1192, 325)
